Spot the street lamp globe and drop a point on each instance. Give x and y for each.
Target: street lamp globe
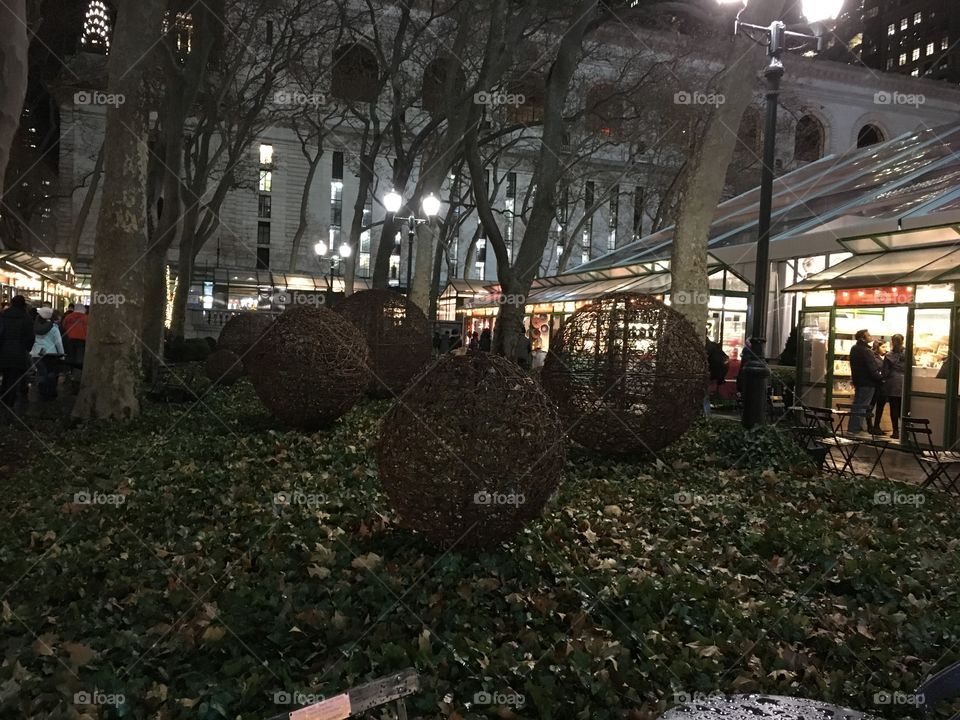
(320, 248)
(392, 201)
(816, 11)
(345, 250)
(431, 205)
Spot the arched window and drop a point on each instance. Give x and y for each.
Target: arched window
(605, 110)
(524, 100)
(355, 74)
(809, 140)
(443, 77)
(869, 135)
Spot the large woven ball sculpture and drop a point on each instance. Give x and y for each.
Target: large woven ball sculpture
(398, 334)
(628, 374)
(310, 368)
(244, 332)
(224, 367)
(472, 452)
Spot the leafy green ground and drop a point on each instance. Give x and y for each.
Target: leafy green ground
(199, 597)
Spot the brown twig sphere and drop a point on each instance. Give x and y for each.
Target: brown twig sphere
(397, 333)
(310, 367)
(628, 374)
(471, 452)
(243, 332)
(224, 367)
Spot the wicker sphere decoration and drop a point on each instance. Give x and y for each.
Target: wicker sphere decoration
(243, 332)
(224, 367)
(628, 374)
(398, 334)
(472, 452)
(310, 367)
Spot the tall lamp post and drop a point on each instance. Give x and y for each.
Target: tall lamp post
(393, 202)
(343, 252)
(778, 39)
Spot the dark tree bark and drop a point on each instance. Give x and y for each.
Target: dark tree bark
(108, 388)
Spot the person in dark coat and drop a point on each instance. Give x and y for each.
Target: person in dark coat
(16, 340)
(866, 376)
(485, 340)
(894, 367)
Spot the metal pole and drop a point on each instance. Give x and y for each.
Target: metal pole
(756, 371)
(411, 234)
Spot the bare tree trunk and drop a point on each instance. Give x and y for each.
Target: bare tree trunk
(189, 248)
(439, 255)
(706, 172)
(108, 389)
(423, 266)
(13, 74)
(74, 250)
(471, 253)
(154, 306)
(304, 223)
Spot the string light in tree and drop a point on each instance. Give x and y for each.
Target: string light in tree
(96, 28)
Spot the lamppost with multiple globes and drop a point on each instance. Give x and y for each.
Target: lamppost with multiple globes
(343, 252)
(778, 39)
(392, 203)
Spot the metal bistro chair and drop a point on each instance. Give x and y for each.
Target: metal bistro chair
(822, 422)
(942, 686)
(941, 467)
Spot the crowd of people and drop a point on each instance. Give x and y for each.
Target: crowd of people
(38, 345)
(877, 375)
(453, 342)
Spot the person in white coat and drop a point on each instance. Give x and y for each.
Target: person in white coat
(47, 352)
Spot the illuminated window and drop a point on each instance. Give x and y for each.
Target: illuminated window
(917, 17)
(915, 72)
(931, 48)
(336, 199)
(916, 54)
(481, 261)
(266, 154)
(266, 181)
(904, 23)
(891, 29)
(945, 43)
(903, 59)
(614, 218)
(586, 239)
(510, 206)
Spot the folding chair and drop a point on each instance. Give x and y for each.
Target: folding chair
(942, 467)
(821, 420)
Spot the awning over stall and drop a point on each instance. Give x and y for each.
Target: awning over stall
(903, 193)
(928, 265)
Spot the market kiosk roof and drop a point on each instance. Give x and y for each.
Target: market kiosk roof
(902, 193)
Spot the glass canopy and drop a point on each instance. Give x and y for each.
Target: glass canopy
(912, 181)
(879, 269)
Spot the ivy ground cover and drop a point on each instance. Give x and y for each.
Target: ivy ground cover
(203, 563)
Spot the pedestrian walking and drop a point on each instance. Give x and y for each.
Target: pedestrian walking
(47, 352)
(74, 326)
(485, 340)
